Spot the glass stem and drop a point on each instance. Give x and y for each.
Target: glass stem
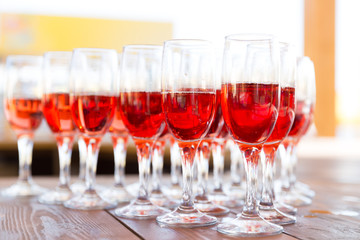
(218, 151)
(25, 148)
(119, 144)
(157, 165)
(286, 166)
(143, 149)
(65, 145)
(187, 152)
(268, 195)
(93, 147)
(235, 168)
(203, 168)
(82, 156)
(175, 159)
(251, 159)
(293, 161)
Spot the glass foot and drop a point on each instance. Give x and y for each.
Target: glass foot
(140, 209)
(244, 226)
(23, 189)
(89, 200)
(186, 217)
(275, 216)
(220, 198)
(284, 208)
(56, 196)
(117, 194)
(294, 199)
(235, 191)
(78, 187)
(162, 201)
(174, 191)
(304, 189)
(208, 207)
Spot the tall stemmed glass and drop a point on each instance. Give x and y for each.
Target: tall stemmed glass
(305, 102)
(202, 201)
(57, 112)
(282, 128)
(79, 186)
(250, 104)
(175, 191)
(141, 112)
(23, 110)
(189, 100)
(119, 137)
(93, 93)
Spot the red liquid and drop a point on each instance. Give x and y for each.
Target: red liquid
(24, 115)
(117, 127)
(57, 113)
(93, 114)
(189, 114)
(250, 110)
(303, 119)
(142, 113)
(218, 121)
(286, 115)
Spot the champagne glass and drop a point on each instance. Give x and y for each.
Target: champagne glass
(305, 102)
(157, 195)
(189, 100)
(250, 103)
(57, 112)
(119, 137)
(282, 128)
(93, 93)
(141, 112)
(202, 201)
(218, 195)
(23, 110)
(79, 186)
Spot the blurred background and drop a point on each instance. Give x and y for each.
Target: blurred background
(324, 30)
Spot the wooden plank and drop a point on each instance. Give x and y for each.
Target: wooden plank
(149, 229)
(28, 219)
(319, 43)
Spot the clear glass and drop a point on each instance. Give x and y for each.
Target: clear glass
(305, 103)
(175, 189)
(157, 195)
(142, 115)
(79, 186)
(284, 122)
(250, 104)
(93, 93)
(189, 97)
(23, 110)
(56, 110)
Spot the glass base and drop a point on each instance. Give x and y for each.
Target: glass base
(23, 189)
(208, 207)
(236, 191)
(161, 200)
(186, 217)
(220, 198)
(140, 209)
(89, 200)
(244, 226)
(294, 199)
(117, 194)
(78, 187)
(275, 216)
(284, 208)
(56, 196)
(174, 191)
(304, 189)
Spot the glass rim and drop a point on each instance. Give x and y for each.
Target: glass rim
(57, 53)
(142, 46)
(24, 57)
(94, 50)
(250, 37)
(188, 43)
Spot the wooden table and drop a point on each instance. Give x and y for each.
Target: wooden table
(334, 213)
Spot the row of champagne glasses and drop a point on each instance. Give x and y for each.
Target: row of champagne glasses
(183, 95)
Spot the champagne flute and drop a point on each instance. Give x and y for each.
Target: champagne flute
(141, 112)
(23, 110)
(282, 127)
(57, 112)
(305, 102)
(93, 93)
(189, 97)
(250, 103)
